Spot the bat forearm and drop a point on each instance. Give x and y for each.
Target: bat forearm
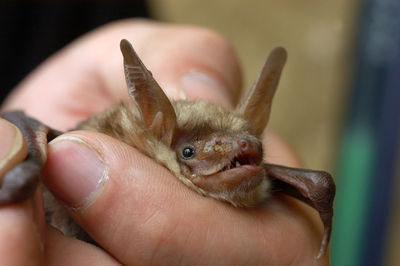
(315, 188)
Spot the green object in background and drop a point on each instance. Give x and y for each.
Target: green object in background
(354, 186)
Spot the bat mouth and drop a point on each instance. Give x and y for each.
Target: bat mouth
(241, 160)
(243, 172)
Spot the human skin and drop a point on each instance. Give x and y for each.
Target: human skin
(140, 214)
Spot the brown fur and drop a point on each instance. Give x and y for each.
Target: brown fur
(124, 122)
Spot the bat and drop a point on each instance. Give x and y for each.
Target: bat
(216, 152)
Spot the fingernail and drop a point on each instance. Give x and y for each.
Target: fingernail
(75, 172)
(197, 85)
(12, 148)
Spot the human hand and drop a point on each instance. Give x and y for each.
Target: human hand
(139, 213)
(22, 224)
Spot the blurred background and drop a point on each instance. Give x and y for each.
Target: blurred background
(337, 104)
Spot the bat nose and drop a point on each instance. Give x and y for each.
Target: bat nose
(250, 147)
(243, 144)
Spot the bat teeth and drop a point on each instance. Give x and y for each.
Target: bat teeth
(237, 161)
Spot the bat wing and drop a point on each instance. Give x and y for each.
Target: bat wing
(316, 188)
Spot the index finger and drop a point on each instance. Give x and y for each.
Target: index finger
(13, 148)
(20, 224)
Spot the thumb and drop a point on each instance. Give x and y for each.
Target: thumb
(119, 196)
(13, 148)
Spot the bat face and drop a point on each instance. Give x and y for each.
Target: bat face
(218, 154)
(226, 165)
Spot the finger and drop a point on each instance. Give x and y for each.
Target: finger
(62, 250)
(186, 60)
(95, 183)
(21, 225)
(22, 233)
(87, 76)
(13, 148)
(123, 199)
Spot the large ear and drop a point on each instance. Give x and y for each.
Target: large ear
(257, 105)
(157, 111)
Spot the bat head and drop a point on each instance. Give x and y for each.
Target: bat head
(225, 164)
(219, 151)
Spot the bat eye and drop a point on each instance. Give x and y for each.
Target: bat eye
(188, 152)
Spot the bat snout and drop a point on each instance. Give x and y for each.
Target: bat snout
(251, 149)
